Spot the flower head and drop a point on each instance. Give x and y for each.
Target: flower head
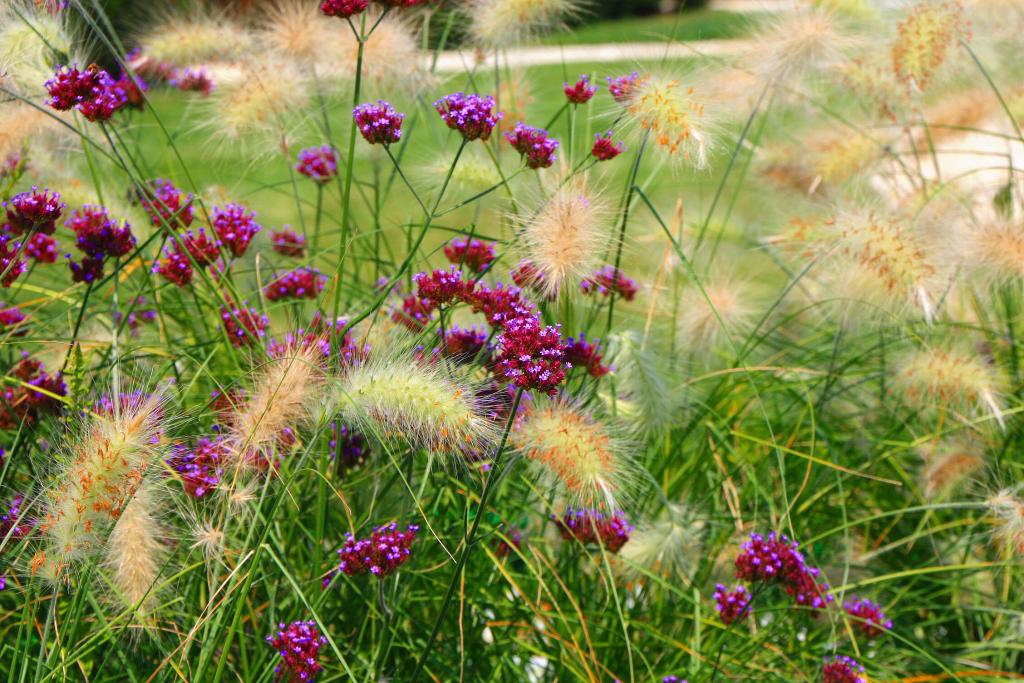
(99, 236)
(416, 312)
(672, 116)
(622, 87)
(382, 554)
(472, 115)
(592, 526)
(530, 356)
(497, 23)
(379, 123)
(299, 645)
(608, 281)
(193, 80)
(33, 211)
(343, 9)
(732, 605)
(442, 287)
(11, 263)
(301, 283)
(475, 254)
(14, 525)
(168, 206)
(200, 468)
(175, 268)
(349, 448)
(949, 379)
(843, 670)
(244, 326)
(42, 248)
(867, 616)
(500, 304)
(533, 145)
(92, 92)
(775, 559)
(925, 37)
(235, 227)
(288, 242)
(580, 353)
(198, 244)
(580, 92)
(604, 149)
(318, 163)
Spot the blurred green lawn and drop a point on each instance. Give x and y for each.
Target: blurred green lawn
(702, 24)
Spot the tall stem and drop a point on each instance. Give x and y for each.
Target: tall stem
(469, 540)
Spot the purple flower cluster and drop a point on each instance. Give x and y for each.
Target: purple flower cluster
(500, 304)
(775, 559)
(235, 227)
(592, 526)
(379, 123)
(192, 80)
(11, 317)
(288, 242)
(42, 248)
(382, 554)
(526, 274)
(343, 9)
(604, 149)
(472, 115)
(168, 206)
(732, 605)
(474, 254)
(415, 313)
(610, 280)
(349, 449)
(33, 211)
(868, 617)
(465, 343)
(11, 263)
(843, 670)
(442, 287)
(28, 402)
(299, 645)
(13, 529)
(301, 283)
(581, 91)
(580, 353)
(92, 92)
(534, 145)
(200, 468)
(98, 236)
(136, 318)
(531, 356)
(318, 163)
(622, 87)
(243, 325)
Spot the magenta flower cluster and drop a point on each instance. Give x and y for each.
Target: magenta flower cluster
(382, 554)
(580, 353)
(531, 356)
(622, 87)
(9, 318)
(318, 163)
(593, 526)
(442, 287)
(99, 237)
(33, 211)
(604, 149)
(235, 227)
(732, 605)
(299, 645)
(244, 326)
(379, 123)
(533, 145)
(349, 448)
(774, 559)
(610, 280)
(92, 92)
(193, 80)
(581, 91)
(13, 527)
(474, 254)
(301, 283)
(11, 263)
(472, 115)
(288, 242)
(843, 670)
(343, 9)
(868, 617)
(42, 248)
(168, 206)
(200, 468)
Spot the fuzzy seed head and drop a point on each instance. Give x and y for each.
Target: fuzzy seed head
(134, 551)
(996, 249)
(949, 464)
(31, 41)
(949, 379)
(256, 103)
(1008, 510)
(393, 397)
(574, 454)
(926, 35)
(669, 547)
(839, 159)
(297, 30)
(672, 115)
(195, 39)
(709, 318)
(800, 42)
(563, 239)
(499, 23)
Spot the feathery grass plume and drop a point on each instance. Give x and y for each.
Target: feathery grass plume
(514, 97)
(925, 37)
(134, 551)
(724, 309)
(852, 9)
(21, 126)
(500, 23)
(257, 103)
(285, 397)
(839, 158)
(391, 396)
(643, 399)
(886, 261)
(672, 115)
(194, 37)
(795, 44)
(299, 31)
(473, 174)
(1008, 510)
(105, 462)
(994, 248)
(391, 57)
(669, 546)
(564, 237)
(948, 464)
(208, 538)
(32, 43)
(949, 378)
(575, 454)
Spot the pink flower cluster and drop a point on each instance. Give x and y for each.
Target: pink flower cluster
(774, 559)
(13, 529)
(11, 317)
(533, 145)
(33, 211)
(622, 87)
(193, 246)
(11, 263)
(604, 149)
(580, 92)
(843, 670)
(610, 280)
(500, 304)
(318, 163)
(382, 554)
(591, 526)
(531, 356)
(42, 248)
(243, 325)
(442, 288)
(27, 403)
(235, 227)
(343, 9)
(168, 206)
(98, 236)
(288, 242)
(379, 123)
(301, 283)
(472, 115)
(732, 605)
(92, 92)
(299, 645)
(526, 274)
(868, 617)
(192, 80)
(580, 353)
(200, 468)
(474, 254)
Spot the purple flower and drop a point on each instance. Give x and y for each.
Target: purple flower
(534, 145)
(581, 92)
(604, 149)
(98, 235)
(531, 356)
(775, 559)
(235, 227)
(472, 115)
(92, 92)
(583, 354)
(343, 9)
(732, 605)
(243, 325)
(42, 248)
(33, 211)
(382, 554)
(11, 263)
(842, 670)
(299, 645)
(168, 206)
(442, 287)
(608, 280)
(622, 87)
(200, 468)
(867, 616)
(349, 449)
(379, 123)
(592, 526)
(301, 283)
(193, 80)
(473, 253)
(288, 242)
(318, 163)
